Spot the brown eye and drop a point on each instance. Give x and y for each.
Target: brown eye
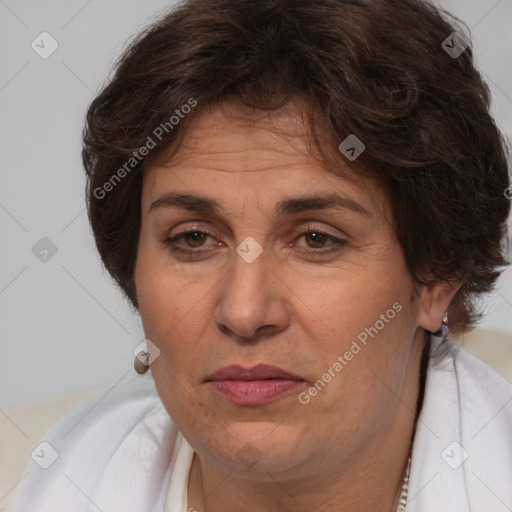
(194, 238)
(318, 239)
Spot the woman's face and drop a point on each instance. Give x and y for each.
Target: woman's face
(255, 282)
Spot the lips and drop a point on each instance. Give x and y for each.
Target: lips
(254, 386)
(258, 372)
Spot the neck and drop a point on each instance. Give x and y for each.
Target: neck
(356, 483)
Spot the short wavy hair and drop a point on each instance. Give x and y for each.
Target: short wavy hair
(374, 68)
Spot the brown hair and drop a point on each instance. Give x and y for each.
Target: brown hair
(373, 68)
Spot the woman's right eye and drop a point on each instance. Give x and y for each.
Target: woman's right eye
(192, 238)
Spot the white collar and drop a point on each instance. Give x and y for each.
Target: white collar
(462, 452)
(177, 496)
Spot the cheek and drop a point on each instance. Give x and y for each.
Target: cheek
(338, 308)
(369, 352)
(173, 316)
(171, 313)
(164, 298)
(367, 320)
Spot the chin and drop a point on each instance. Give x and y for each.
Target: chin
(258, 447)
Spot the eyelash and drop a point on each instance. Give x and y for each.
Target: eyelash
(332, 249)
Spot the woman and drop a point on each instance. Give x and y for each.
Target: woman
(300, 199)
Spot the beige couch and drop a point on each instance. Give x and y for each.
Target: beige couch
(494, 348)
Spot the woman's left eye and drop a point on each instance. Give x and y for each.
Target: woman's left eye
(318, 239)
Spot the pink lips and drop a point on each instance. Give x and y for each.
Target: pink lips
(253, 386)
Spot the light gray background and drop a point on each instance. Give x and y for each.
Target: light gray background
(64, 328)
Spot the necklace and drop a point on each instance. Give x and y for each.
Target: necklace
(402, 502)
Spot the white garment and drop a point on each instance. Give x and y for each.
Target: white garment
(177, 495)
(117, 453)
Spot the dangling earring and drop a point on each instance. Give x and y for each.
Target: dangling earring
(141, 363)
(443, 332)
(145, 354)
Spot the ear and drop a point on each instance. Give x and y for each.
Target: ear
(433, 303)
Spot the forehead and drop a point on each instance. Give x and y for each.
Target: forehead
(224, 130)
(228, 148)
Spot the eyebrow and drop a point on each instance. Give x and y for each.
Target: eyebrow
(207, 205)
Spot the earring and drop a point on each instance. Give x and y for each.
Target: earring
(443, 332)
(141, 363)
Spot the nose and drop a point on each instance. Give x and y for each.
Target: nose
(252, 301)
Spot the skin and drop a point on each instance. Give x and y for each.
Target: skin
(347, 448)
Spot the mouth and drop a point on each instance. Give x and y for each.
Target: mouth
(254, 386)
